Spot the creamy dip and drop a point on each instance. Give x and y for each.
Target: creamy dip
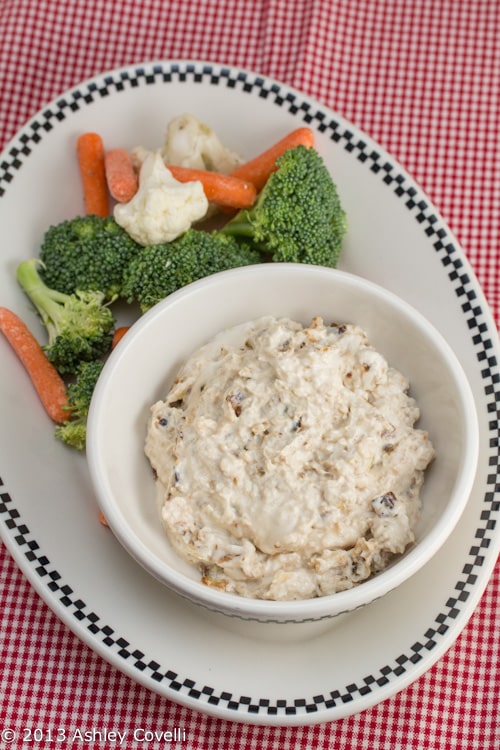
(287, 463)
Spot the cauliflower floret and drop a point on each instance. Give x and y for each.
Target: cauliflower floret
(138, 155)
(190, 143)
(163, 208)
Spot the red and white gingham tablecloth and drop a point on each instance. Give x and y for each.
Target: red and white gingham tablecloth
(422, 77)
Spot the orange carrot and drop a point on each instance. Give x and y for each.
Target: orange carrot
(90, 153)
(118, 335)
(121, 176)
(48, 383)
(222, 189)
(258, 169)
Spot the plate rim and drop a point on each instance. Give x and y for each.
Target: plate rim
(19, 542)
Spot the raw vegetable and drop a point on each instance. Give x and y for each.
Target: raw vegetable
(259, 169)
(192, 143)
(222, 189)
(79, 326)
(90, 154)
(118, 335)
(87, 252)
(163, 208)
(121, 176)
(73, 431)
(158, 270)
(48, 383)
(298, 217)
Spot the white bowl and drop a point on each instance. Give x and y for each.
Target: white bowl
(141, 368)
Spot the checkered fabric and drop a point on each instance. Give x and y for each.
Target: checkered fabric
(423, 79)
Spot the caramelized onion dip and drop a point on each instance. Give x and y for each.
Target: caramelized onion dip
(286, 460)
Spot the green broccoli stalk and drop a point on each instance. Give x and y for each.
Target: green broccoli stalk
(79, 326)
(73, 432)
(298, 217)
(87, 252)
(159, 270)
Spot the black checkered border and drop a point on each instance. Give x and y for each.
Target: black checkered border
(185, 688)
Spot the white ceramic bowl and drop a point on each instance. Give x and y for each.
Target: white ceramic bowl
(141, 368)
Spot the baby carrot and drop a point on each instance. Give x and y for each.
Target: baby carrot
(90, 153)
(118, 335)
(48, 383)
(120, 174)
(222, 189)
(258, 169)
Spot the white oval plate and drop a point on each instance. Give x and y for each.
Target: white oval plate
(48, 515)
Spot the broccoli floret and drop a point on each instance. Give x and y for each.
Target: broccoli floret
(73, 432)
(79, 326)
(159, 270)
(87, 252)
(298, 217)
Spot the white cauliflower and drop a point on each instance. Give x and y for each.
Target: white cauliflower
(190, 143)
(163, 208)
